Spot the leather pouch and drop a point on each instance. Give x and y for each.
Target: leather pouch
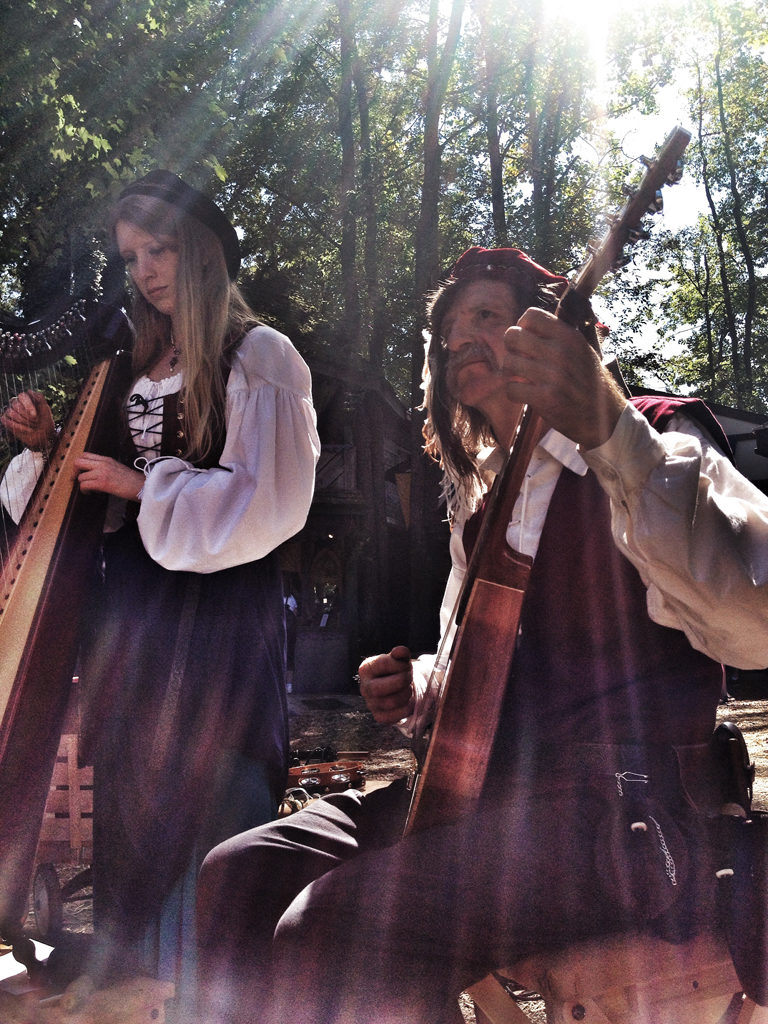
(642, 858)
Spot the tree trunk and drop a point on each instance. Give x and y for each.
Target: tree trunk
(492, 132)
(738, 221)
(380, 599)
(718, 230)
(352, 319)
(425, 522)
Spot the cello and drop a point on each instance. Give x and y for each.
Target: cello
(453, 751)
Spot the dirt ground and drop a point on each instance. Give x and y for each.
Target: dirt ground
(340, 721)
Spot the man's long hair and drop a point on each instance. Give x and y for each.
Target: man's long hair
(454, 433)
(211, 316)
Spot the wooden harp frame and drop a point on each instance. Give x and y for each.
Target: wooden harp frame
(44, 584)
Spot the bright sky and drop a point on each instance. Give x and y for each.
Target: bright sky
(643, 134)
(683, 201)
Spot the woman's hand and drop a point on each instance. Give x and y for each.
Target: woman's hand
(29, 418)
(100, 473)
(386, 684)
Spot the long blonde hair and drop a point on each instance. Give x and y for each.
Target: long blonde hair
(211, 316)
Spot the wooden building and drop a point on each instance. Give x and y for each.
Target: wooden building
(348, 571)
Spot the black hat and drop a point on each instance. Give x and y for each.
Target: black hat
(168, 186)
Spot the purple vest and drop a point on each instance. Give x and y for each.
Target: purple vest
(590, 665)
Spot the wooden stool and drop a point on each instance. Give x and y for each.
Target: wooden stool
(629, 979)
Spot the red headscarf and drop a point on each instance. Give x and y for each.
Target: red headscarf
(478, 260)
(510, 263)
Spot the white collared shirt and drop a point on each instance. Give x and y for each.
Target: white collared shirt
(693, 526)
(204, 520)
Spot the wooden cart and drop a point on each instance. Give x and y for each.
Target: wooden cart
(66, 838)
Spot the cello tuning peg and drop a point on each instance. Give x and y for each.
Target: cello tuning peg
(627, 190)
(646, 161)
(674, 176)
(637, 235)
(621, 261)
(656, 205)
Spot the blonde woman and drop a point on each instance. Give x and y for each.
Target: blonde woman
(183, 669)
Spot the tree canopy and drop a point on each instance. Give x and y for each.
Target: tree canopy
(361, 145)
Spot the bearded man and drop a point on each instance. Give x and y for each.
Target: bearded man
(650, 570)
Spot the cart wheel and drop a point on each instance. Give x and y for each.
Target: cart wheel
(48, 902)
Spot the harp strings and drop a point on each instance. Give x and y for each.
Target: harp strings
(53, 359)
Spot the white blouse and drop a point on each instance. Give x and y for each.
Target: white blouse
(144, 410)
(203, 520)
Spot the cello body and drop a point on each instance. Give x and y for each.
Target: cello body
(454, 752)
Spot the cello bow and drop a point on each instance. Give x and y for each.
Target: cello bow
(455, 752)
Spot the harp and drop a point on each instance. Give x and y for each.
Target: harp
(47, 556)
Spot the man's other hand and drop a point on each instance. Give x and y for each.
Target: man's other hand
(386, 683)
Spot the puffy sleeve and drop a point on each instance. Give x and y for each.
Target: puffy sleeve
(697, 532)
(19, 482)
(204, 520)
